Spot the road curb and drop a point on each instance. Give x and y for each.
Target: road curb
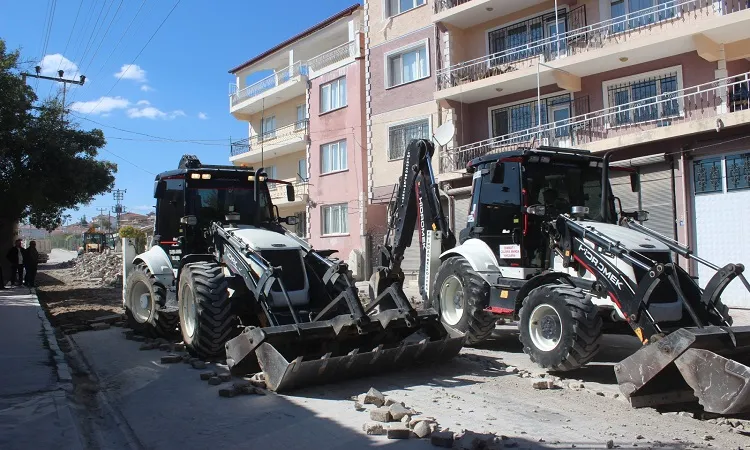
(62, 369)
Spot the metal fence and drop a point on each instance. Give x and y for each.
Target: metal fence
(333, 56)
(690, 104)
(582, 38)
(442, 5)
(275, 136)
(278, 78)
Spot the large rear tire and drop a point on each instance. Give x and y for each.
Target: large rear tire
(144, 297)
(460, 296)
(207, 320)
(560, 328)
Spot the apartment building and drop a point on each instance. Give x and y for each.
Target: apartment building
(306, 125)
(664, 83)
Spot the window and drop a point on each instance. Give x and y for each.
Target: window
(738, 172)
(333, 95)
(394, 7)
(408, 65)
(399, 136)
(523, 116)
(335, 219)
(301, 117)
(333, 157)
(302, 169)
(708, 176)
(271, 172)
(526, 39)
(629, 14)
(267, 128)
(645, 99)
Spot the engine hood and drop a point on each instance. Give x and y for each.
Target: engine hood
(262, 239)
(631, 239)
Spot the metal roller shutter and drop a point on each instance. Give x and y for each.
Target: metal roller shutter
(656, 198)
(461, 210)
(621, 189)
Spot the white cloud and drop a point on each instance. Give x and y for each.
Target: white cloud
(149, 112)
(143, 102)
(52, 63)
(146, 88)
(132, 72)
(202, 116)
(102, 105)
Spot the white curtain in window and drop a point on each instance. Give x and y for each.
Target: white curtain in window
(392, 7)
(325, 98)
(342, 92)
(335, 219)
(333, 157)
(302, 169)
(411, 66)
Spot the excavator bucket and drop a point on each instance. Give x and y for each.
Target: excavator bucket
(306, 354)
(709, 364)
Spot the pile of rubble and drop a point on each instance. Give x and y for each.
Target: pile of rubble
(102, 268)
(395, 420)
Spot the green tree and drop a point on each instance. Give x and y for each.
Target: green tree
(134, 233)
(47, 163)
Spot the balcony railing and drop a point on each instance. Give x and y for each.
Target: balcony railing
(667, 109)
(273, 137)
(583, 38)
(442, 5)
(278, 78)
(278, 191)
(333, 56)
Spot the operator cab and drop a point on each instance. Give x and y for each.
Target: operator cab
(515, 194)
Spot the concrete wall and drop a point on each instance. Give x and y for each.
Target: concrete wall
(342, 187)
(386, 99)
(382, 29)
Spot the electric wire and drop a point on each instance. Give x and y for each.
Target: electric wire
(104, 36)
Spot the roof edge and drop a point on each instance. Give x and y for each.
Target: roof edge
(341, 14)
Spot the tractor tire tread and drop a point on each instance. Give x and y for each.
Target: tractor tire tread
(164, 325)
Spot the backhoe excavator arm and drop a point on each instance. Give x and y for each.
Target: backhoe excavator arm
(417, 202)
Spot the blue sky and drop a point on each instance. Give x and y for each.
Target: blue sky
(177, 88)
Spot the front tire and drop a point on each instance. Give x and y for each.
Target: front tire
(207, 320)
(560, 328)
(460, 296)
(144, 297)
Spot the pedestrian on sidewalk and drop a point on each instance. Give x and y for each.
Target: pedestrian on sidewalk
(16, 256)
(31, 261)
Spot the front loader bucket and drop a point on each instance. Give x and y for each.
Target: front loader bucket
(709, 364)
(296, 356)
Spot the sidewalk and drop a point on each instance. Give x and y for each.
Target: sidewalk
(34, 410)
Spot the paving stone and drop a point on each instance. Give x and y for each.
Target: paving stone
(214, 381)
(225, 377)
(147, 346)
(397, 411)
(390, 401)
(373, 429)
(380, 414)
(374, 397)
(398, 432)
(227, 392)
(358, 406)
(442, 439)
(100, 326)
(138, 338)
(422, 430)
(171, 359)
(165, 347)
(205, 376)
(179, 347)
(199, 364)
(540, 384)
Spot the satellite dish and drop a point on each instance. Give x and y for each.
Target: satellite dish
(444, 134)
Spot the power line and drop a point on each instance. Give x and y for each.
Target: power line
(104, 36)
(136, 56)
(129, 162)
(148, 135)
(72, 30)
(94, 30)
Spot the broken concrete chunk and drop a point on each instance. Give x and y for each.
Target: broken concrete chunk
(398, 432)
(199, 364)
(511, 369)
(422, 430)
(397, 411)
(207, 375)
(374, 397)
(225, 377)
(214, 381)
(373, 429)
(165, 347)
(171, 359)
(380, 414)
(228, 392)
(442, 439)
(390, 401)
(406, 420)
(540, 384)
(358, 406)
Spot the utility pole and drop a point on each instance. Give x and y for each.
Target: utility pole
(65, 82)
(101, 216)
(119, 195)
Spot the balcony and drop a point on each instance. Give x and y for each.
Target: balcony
(327, 60)
(692, 110)
(668, 29)
(283, 85)
(278, 142)
(278, 193)
(467, 13)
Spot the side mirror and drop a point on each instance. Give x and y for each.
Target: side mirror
(635, 182)
(189, 220)
(291, 220)
(290, 192)
(497, 175)
(160, 188)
